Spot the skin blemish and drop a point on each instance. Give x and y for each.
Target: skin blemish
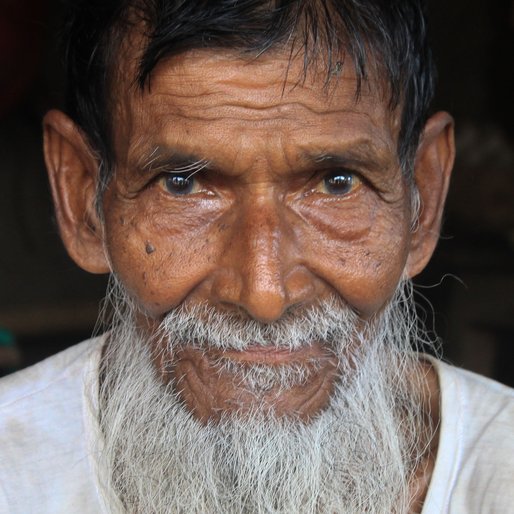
(149, 248)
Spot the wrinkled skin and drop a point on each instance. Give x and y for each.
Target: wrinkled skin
(300, 197)
(261, 228)
(258, 232)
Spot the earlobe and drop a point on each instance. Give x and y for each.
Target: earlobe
(432, 170)
(72, 171)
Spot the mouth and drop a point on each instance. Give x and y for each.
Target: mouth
(287, 382)
(270, 356)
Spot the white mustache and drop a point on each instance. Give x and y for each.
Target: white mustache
(331, 322)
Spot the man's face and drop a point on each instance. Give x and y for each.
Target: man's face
(240, 186)
(260, 224)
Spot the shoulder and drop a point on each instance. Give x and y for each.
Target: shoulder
(43, 426)
(47, 374)
(474, 469)
(477, 406)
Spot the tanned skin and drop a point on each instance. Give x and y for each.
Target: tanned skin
(259, 229)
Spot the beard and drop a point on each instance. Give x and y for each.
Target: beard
(358, 455)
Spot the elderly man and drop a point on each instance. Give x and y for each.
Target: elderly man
(261, 180)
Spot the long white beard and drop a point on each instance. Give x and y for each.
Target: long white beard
(357, 456)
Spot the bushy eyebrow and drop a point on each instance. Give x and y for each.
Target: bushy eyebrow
(162, 159)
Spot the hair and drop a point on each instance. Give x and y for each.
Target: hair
(388, 36)
(361, 453)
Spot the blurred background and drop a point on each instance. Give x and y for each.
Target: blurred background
(467, 292)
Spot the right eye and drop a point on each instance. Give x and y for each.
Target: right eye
(179, 183)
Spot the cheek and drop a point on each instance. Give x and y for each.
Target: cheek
(158, 259)
(359, 250)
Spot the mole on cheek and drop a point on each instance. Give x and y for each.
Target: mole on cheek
(149, 248)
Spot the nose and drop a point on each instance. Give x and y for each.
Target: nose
(260, 271)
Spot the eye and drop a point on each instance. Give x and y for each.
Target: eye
(179, 184)
(339, 183)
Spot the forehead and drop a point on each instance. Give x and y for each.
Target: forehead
(264, 104)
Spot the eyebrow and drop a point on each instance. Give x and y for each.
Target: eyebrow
(363, 155)
(359, 155)
(162, 159)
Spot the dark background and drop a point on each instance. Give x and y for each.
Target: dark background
(47, 303)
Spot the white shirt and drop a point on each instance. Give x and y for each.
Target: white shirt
(48, 433)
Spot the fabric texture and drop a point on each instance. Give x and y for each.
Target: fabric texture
(49, 436)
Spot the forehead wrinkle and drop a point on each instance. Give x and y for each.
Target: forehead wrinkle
(243, 103)
(198, 91)
(253, 98)
(259, 115)
(199, 77)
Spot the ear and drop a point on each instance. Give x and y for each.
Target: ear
(432, 170)
(72, 171)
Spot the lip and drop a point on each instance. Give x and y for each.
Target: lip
(273, 356)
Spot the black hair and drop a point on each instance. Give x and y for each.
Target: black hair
(386, 35)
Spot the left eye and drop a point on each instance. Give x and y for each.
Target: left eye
(178, 184)
(339, 182)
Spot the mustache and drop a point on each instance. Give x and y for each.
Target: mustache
(202, 326)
